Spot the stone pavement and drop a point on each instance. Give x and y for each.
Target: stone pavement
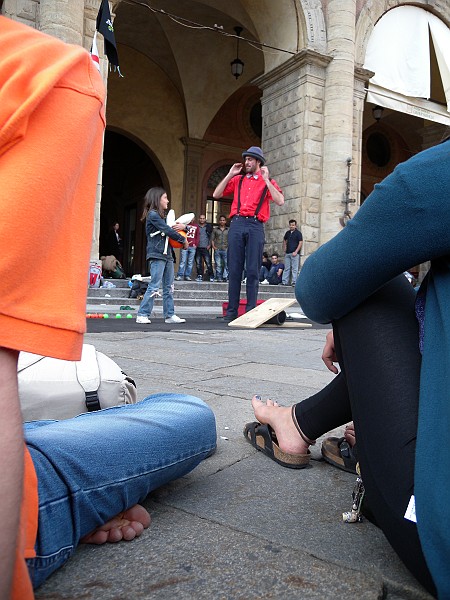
(239, 526)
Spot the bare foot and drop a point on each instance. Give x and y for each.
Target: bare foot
(280, 419)
(126, 526)
(349, 434)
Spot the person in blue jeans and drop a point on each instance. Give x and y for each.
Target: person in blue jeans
(92, 477)
(272, 276)
(159, 255)
(203, 252)
(219, 242)
(187, 256)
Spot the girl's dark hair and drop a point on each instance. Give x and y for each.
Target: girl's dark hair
(152, 198)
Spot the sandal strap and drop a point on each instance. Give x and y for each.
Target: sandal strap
(302, 435)
(265, 433)
(257, 428)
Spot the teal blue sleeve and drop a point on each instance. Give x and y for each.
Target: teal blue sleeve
(404, 222)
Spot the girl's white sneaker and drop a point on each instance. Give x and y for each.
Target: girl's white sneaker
(142, 319)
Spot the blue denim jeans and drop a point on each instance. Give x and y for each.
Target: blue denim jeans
(291, 267)
(220, 258)
(202, 254)
(270, 275)
(186, 262)
(94, 466)
(245, 246)
(161, 272)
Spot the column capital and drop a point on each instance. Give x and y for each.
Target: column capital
(363, 74)
(306, 57)
(362, 77)
(194, 142)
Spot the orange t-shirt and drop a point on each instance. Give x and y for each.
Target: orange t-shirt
(51, 130)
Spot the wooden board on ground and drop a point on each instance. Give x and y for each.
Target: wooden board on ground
(262, 313)
(292, 324)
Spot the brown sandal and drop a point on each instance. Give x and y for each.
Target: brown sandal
(263, 438)
(339, 453)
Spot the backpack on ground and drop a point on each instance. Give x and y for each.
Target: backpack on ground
(95, 275)
(138, 289)
(118, 272)
(50, 388)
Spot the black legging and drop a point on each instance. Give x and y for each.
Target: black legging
(378, 387)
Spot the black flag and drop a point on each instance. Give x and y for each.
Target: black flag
(106, 28)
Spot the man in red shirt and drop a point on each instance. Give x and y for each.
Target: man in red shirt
(252, 191)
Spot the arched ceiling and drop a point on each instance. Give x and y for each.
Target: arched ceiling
(197, 61)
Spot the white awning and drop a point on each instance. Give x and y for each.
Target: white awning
(417, 107)
(399, 54)
(440, 34)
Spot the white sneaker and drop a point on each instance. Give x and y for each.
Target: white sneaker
(142, 319)
(174, 319)
(265, 282)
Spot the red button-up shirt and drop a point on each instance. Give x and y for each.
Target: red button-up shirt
(251, 190)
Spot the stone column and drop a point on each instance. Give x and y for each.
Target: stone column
(293, 105)
(63, 19)
(90, 17)
(338, 114)
(24, 11)
(362, 76)
(192, 193)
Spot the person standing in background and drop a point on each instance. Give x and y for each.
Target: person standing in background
(219, 242)
(187, 255)
(204, 245)
(292, 244)
(114, 242)
(252, 192)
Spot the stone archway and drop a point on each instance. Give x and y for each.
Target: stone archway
(128, 172)
(314, 24)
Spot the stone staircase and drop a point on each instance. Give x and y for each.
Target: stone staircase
(190, 298)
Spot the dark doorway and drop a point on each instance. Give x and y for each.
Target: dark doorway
(128, 172)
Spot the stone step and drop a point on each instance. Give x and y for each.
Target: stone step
(189, 297)
(190, 285)
(158, 301)
(266, 292)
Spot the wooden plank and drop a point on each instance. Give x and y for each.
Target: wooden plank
(262, 313)
(287, 324)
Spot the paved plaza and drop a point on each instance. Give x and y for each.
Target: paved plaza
(239, 526)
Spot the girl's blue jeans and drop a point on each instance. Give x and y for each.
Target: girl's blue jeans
(95, 466)
(162, 272)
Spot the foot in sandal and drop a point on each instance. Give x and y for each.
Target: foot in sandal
(276, 435)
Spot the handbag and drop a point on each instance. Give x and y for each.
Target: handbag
(50, 388)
